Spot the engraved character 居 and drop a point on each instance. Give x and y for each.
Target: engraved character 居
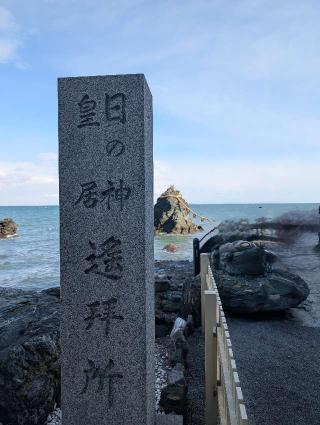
(106, 259)
(103, 311)
(116, 108)
(87, 112)
(101, 375)
(89, 195)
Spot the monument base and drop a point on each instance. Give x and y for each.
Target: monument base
(169, 420)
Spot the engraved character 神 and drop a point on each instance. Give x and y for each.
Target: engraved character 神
(101, 375)
(106, 259)
(103, 311)
(87, 112)
(116, 108)
(118, 194)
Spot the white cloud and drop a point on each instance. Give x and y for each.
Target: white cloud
(48, 156)
(241, 181)
(10, 37)
(29, 183)
(7, 21)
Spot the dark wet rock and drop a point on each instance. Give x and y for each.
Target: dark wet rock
(7, 228)
(172, 214)
(171, 301)
(29, 355)
(161, 285)
(250, 277)
(161, 330)
(191, 300)
(275, 291)
(242, 258)
(173, 396)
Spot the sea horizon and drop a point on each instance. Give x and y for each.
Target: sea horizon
(191, 203)
(31, 260)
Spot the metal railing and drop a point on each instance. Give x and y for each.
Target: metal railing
(223, 396)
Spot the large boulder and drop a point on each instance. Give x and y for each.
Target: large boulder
(172, 214)
(275, 291)
(242, 257)
(29, 355)
(7, 228)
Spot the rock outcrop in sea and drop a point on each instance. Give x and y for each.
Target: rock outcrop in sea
(172, 214)
(7, 228)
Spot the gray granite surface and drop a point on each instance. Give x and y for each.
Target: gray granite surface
(106, 236)
(169, 420)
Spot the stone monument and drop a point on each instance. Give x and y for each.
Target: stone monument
(106, 236)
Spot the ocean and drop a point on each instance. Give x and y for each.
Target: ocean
(31, 260)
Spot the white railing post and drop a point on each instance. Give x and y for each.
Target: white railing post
(204, 263)
(211, 405)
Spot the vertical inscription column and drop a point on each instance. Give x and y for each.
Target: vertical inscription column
(106, 249)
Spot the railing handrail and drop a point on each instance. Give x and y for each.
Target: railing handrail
(223, 391)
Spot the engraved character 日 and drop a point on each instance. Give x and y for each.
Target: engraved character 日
(116, 108)
(87, 112)
(101, 375)
(106, 259)
(103, 311)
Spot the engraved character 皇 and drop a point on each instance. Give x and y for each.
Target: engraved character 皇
(89, 195)
(106, 259)
(103, 311)
(101, 375)
(118, 194)
(116, 108)
(87, 112)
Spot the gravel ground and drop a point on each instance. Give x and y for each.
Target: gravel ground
(278, 356)
(279, 368)
(55, 417)
(195, 380)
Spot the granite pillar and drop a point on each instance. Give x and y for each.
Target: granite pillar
(106, 237)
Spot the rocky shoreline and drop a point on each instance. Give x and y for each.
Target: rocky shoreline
(30, 350)
(30, 346)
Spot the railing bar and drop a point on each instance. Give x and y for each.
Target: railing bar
(230, 397)
(243, 414)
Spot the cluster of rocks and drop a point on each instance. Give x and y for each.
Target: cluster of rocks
(7, 228)
(174, 395)
(249, 277)
(30, 348)
(175, 297)
(178, 311)
(172, 214)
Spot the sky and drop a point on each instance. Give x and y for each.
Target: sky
(235, 84)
